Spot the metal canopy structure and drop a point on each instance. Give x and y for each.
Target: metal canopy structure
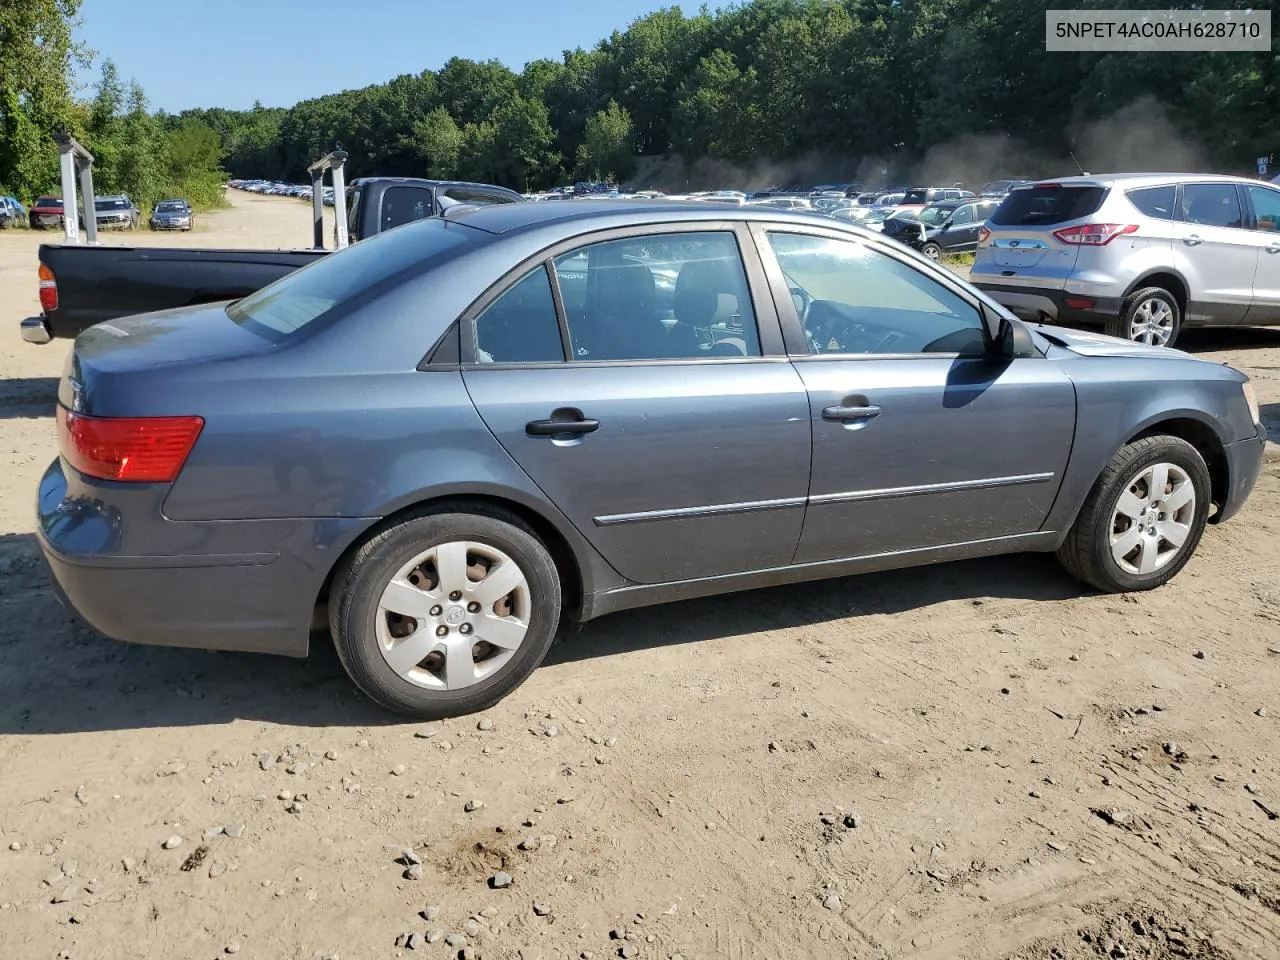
(76, 160)
(332, 162)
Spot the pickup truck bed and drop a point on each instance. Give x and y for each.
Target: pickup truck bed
(94, 284)
(83, 285)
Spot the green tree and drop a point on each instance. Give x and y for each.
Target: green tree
(438, 141)
(37, 54)
(607, 150)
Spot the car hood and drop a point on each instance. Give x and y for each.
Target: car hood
(1090, 344)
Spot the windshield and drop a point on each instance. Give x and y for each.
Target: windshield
(110, 204)
(932, 215)
(283, 308)
(49, 202)
(171, 206)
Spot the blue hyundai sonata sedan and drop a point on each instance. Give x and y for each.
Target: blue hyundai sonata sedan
(445, 439)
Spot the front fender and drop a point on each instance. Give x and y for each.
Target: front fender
(1120, 398)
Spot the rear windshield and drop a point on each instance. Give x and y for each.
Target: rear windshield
(1042, 206)
(916, 196)
(358, 273)
(49, 202)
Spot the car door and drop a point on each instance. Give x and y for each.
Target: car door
(652, 402)
(1264, 205)
(1214, 249)
(920, 438)
(961, 232)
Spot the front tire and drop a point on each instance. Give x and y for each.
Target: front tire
(1150, 315)
(932, 251)
(441, 614)
(1143, 518)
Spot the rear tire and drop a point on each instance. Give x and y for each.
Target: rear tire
(1150, 315)
(437, 662)
(1124, 536)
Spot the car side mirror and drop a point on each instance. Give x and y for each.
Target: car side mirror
(1013, 340)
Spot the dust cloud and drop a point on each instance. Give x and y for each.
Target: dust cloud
(1138, 137)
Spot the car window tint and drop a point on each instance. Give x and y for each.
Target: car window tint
(476, 196)
(855, 299)
(1153, 201)
(283, 308)
(1211, 204)
(1266, 208)
(401, 205)
(962, 215)
(672, 296)
(353, 213)
(1047, 205)
(521, 325)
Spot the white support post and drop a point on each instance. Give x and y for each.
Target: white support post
(75, 159)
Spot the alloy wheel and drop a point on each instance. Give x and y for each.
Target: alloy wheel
(1152, 322)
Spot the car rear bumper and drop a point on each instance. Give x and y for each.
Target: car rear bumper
(1062, 306)
(35, 330)
(1244, 463)
(190, 589)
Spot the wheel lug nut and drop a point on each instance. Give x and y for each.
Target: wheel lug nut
(442, 631)
(473, 607)
(437, 610)
(465, 628)
(455, 596)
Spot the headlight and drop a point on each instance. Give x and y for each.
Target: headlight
(1252, 401)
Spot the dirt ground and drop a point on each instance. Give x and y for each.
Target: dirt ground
(976, 760)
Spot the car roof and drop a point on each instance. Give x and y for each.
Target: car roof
(509, 218)
(1136, 180)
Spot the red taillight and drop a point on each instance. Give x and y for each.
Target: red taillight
(1080, 303)
(1094, 234)
(48, 289)
(141, 449)
(983, 234)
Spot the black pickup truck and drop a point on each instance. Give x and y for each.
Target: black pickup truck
(83, 285)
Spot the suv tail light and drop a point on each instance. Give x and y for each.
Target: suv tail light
(983, 235)
(138, 449)
(48, 289)
(1094, 234)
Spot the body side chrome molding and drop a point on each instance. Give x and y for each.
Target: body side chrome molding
(853, 496)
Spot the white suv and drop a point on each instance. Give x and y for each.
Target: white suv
(1142, 254)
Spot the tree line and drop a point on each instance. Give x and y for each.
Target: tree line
(148, 155)
(840, 88)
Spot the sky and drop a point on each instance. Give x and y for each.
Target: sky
(229, 54)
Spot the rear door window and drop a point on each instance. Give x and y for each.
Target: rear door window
(1048, 205)
(1155, 202)
(401, 205)
(521, 326)
(1211, 205)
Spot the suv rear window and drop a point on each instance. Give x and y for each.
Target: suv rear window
(1043, 206)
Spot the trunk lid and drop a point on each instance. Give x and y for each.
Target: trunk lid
(100, 377)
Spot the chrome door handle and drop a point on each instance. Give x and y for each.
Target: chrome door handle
(844, 414)
(1192, 240)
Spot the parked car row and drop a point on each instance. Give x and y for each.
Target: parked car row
(275, 188)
